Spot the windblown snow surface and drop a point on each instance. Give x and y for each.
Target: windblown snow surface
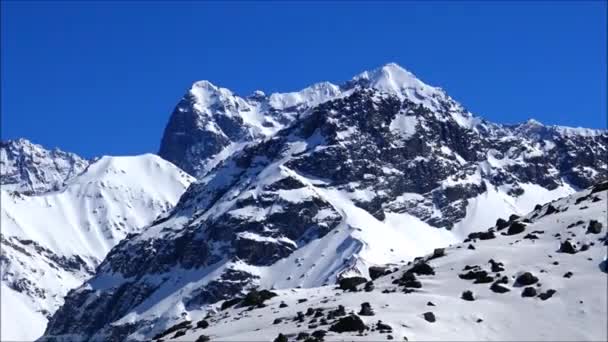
(52, 242)
(569, 301)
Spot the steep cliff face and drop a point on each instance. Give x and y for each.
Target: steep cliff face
(381, 170)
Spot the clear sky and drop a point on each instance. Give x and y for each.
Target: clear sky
(102, 78)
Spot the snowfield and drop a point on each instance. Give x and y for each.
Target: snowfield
(52, 242)
(577, 310)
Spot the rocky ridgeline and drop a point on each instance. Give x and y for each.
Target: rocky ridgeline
(368, 141)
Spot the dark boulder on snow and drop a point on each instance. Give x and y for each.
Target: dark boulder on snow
(528, 292)
(281, 338)
(498, 288)
(526, 279)
(351, 283)
(480, 276)
(202, 338)
(348, 323)
(516, 228)
(202, 324)
(340, 311)
(422, 268)
(376, 272)
(429, 317)
(383, 327)
(496, 266)
(366, 309)
(467, 295)
(594, 227)
(369, 286)
(255, 297)
(567, 247)
(501, 224)
(437, 253)
(546, 295)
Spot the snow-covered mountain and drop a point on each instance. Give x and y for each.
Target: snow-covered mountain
(52, 241)
(29, 168)
(299, 190)
(542, 276)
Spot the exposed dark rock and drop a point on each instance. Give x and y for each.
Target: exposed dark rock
(351, 283)
(366, 309)
(496, 266)
(594, 227)
(567, 247)
(255, 297)
(382, 327)
(548, 294)
(430, 304)
(281, 338)
(348, 323)
(488, 235)
(438, 253)
(531, 237)
(203, 338)
(467, 295)
(369, 286)
(429, 316)
(302, 336)
(525, 279)
(568, 274)
(283, 305)
(501, 224)
(319, 334)
(277, 321)
(528, 292)
(174, 328)
(340, 311)
(480, 276)
(376, 272)
(516, 228)
(202, 324)
(498, 288)
(471, 247)
(422, 268)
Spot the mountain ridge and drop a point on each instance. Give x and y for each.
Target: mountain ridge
(361, 180)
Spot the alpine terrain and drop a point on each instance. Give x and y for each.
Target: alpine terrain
(379, 208)
(61, 215)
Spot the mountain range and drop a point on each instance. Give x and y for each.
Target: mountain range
(293, 193)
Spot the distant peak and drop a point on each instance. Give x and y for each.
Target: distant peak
(533, 122)
(204, 84)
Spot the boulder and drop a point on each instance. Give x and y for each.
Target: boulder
(348, 323)
(429, 316)
(594, 227)
(516, 228)
(567, 247)
(468, 295)
(366, 309)
(528, 292)
(526, 279)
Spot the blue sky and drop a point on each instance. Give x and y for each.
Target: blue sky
(102, 78)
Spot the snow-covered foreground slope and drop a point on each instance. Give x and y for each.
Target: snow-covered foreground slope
(52, 242)
(565, 299)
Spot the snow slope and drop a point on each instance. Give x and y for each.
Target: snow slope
(577, 310)
(53, 241)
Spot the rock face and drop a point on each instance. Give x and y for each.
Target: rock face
(322, 185)
(31, 169)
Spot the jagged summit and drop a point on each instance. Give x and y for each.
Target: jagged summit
(30, 168)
